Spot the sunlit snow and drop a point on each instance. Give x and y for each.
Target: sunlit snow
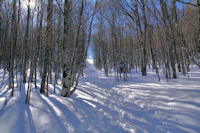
(104, 105)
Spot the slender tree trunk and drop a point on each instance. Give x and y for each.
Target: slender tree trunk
(144, 73)
(58, 50)
(48, 44)
(143, 40)
(198, 6)
(26, 39)
(40, 38)
(13, 47)
(1, 33)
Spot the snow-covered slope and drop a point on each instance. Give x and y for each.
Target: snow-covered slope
(103, 105)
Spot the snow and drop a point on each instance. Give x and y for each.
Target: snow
(103, 105)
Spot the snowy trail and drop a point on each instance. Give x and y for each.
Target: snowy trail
(103, 105)
(147, 106)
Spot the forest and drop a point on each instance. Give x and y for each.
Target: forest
(45, 37)
(46, 43)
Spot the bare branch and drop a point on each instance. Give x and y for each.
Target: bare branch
(60, 7)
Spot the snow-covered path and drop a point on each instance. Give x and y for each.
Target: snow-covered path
(143, 104)
(103, 105)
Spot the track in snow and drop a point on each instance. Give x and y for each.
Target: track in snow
(103, 105)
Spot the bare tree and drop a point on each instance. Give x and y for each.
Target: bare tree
(47, 50)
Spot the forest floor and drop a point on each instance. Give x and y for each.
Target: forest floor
(103, 105)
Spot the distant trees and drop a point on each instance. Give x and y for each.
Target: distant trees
(144, 32)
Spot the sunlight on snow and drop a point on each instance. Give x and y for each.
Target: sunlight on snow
(103, 105)
(94, 106)
(91, 61)
(58, 112)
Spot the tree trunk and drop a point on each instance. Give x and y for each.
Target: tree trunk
(48, 44)
(198, 6)
(67, 48)
(26, 38)
(13, 47)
